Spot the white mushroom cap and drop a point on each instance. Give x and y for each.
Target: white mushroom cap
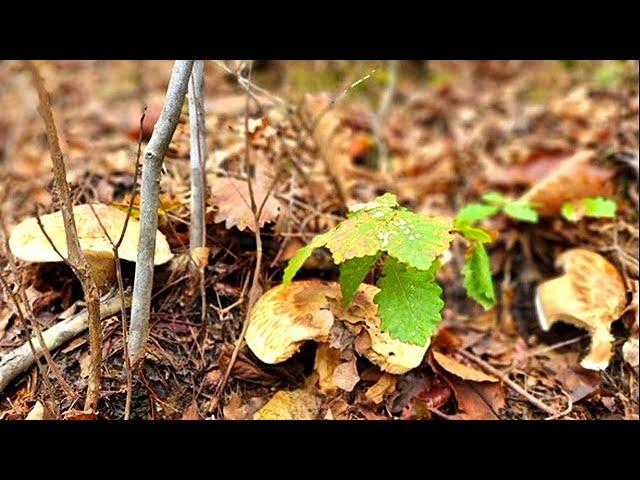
(286, 316)
(590, 295)
(27, 241)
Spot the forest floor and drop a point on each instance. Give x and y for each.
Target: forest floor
(449, 131)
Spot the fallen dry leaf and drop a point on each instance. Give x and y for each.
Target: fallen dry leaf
(231, 197)
(244, 368)
(326, 361)
(461, 370)
(235, 408)
(192, 412)
(477, 401)
(573, 179)
(577, 381)
(151, 116)
(345, 376)
(385, 385)
(289, 405)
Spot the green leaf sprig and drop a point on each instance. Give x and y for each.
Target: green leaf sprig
(409, 246)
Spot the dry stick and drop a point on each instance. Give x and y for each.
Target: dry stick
(311, 130)
(380, 117)
(76, 256)
(542, 406)
(115, 246)
(118, 267)
(151, 169)
(337, 98)
(22, 358)
(43, 372)
(198, 158)
(253, 292)
(255, 284)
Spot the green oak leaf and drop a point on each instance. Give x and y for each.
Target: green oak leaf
(474, 212)
(409, 302)
(521, 211)
(477, 276)
(599, 207)
(569, 211)
(381, 226)
(416, 239)
(352, 273)
(301, 256)
(494, 198)
(358, 235)
(386, 201)
(475, 233)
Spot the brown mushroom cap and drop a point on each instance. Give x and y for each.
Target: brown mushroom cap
(590, 295)
(27, 241)
(287, 315)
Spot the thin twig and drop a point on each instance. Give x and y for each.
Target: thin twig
(497, 373)
(332, 103)
(76, 256)
(255, 284)
(127, 363)
(43, 372)
(378, 123)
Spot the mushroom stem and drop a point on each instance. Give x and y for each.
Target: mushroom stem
(590, 295)
(151, 169)
(600, 351)
(103, 270)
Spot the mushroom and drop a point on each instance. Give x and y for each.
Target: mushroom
(288, 315)
(27, 241)
(573, 179)
(590, 295)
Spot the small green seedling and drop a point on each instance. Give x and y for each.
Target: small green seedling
(409, 246)
(492, 203)
(598, 207)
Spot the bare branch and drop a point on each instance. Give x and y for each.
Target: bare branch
(151, 170)
(75, 255)
(198, 154)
